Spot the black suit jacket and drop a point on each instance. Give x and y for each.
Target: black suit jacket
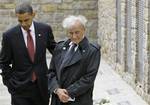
(16, 64)
(78, 75)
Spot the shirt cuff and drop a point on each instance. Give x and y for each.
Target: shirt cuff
(71, 99)
(55, 90)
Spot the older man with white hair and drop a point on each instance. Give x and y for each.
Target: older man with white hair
(74, 66)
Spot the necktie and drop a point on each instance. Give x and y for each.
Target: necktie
(69, 53)
(30, 46)
(31, 51)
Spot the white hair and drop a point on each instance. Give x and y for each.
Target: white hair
(70, 21)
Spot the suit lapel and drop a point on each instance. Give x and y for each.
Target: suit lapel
(37, 39)
(75, 58)
(78, 54)
(21, 41)
(60, 58)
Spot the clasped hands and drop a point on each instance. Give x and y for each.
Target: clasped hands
(63, 95)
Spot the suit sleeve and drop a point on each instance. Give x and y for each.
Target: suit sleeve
(52, 79)
(5, 59)
(50, 41)
(86, 81)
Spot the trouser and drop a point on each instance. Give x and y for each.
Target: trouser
(30, 96)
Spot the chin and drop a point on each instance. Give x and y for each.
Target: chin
(74, 41)
(25, 28)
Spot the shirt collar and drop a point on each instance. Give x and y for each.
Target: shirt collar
(31, 28)
(71, 44)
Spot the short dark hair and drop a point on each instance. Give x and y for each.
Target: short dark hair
(24, 7)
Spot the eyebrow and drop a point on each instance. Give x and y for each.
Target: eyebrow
(23, 20)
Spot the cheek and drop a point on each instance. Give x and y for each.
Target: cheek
(76, 37)
(29, 22)
(79, 37)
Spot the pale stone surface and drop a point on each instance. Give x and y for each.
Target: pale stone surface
(109, 85)
(108, 39)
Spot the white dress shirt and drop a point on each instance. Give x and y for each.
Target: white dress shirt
(75, 49)
(32, 32)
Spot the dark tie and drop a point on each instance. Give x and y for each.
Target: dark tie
(69, 53)
(31, 51)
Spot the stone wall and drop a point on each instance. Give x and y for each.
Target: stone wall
(53, 12)
(107, 28)
(124, 36)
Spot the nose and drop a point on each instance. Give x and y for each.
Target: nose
(74, 35)
(23, 23)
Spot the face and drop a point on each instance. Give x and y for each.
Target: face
(76, 32)
(25, 19)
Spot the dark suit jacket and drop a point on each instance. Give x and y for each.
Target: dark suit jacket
(16, 64)
(78, 75)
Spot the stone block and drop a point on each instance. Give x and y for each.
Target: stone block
(146, 14)
(57, 27)
(85, 5)
(49, 7)
(55, 17)
(65, 6)
(7, 6)
(36, 1)
(4, 12)
(68, 1)
(89, 14)
(7, 1)
(51, 1)
(3, 27)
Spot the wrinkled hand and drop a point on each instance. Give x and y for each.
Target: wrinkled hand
(63, 95)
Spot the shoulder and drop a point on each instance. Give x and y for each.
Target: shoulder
(63, 44)
(11, 31)
(40, 24)
(95, 51)
(58, 48)
(95, 46)
(60, 44)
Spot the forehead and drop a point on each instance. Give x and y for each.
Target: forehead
(76, 26)
(24, 15)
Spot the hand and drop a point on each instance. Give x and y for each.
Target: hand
(63, 95)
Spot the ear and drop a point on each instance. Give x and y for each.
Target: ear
(34, 13)
(16, 15)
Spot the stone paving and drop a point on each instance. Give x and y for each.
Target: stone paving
(108, 85)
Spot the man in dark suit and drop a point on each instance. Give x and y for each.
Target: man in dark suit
(23, 58)
(72, 75)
